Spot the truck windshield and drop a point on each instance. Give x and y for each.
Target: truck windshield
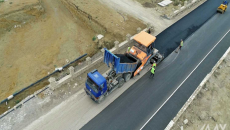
(92, 85)
(141, 47)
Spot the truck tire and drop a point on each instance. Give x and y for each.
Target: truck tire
(127, 77)
(121, 82)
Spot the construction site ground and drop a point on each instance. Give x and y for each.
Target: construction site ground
(38, 36)
(148, 15)
(48, 99)
(166, 10)
(210, 109)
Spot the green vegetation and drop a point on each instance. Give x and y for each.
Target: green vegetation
(94, 38)
(17, 101)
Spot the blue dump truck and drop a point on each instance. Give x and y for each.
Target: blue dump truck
(123, 67)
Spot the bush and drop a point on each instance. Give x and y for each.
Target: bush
(176, 2)
(17, 101)
(94, 38)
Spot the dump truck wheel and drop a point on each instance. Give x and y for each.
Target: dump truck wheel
(127, 77)
(121, 82)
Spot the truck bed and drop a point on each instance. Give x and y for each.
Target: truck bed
(121, 63)
(125, 59)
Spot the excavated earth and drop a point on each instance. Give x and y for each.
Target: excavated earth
(37, 36)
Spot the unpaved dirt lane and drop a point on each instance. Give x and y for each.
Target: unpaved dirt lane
(135, 9)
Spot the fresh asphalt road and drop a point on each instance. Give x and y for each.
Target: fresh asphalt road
(201, 41)
(169, 39)
(134, 108)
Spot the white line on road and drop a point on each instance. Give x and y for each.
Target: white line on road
(183, 81)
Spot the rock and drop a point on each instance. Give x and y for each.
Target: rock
(185, 121)
(185, 3)
(203, 115)
(100, 36)
(220, 67)
(219, 113)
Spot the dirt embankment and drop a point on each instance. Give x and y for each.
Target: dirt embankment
(14, 14)
(37, 36)
(112, 24)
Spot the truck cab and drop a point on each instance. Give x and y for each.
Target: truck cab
(95, 85)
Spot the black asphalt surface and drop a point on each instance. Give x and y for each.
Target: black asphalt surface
(137, 104)
(171, 108)
(169, 39)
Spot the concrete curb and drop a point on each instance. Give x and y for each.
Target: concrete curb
(90, 64)
(191, 98)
